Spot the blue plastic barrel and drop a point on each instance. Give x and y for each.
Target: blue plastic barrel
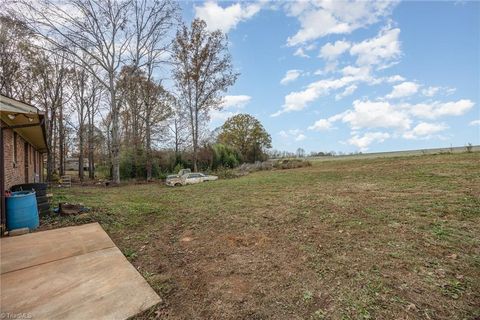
(22, 210)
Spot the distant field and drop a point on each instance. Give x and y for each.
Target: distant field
(397, 153)
(383, 238)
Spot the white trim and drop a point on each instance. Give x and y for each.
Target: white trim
(10, 105)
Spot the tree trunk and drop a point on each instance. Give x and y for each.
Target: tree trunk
(54, 148)
(177, 139)
(91, 128)
(148, 141)
(81, 174)
(195, 143)
(115, 155)
(149, 153)
(61, 141)
(50, 159)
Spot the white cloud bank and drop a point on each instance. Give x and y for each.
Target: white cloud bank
(321, 18)
(380, 50)
(226, 18)
(367, 115)
(377, 52)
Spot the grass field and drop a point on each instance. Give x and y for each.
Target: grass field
(395, 238)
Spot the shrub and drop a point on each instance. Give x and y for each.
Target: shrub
(178, 167)
(274, 164)
(224, 156)
(291, 163)
(226, 173)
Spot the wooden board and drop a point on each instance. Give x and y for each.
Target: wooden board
(98, 284)
(46, 246)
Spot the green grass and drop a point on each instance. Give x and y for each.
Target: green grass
(347, 239)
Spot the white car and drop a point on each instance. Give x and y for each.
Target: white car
(189, 178)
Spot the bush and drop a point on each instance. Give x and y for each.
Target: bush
(274, 164)
(224, 156)
(178, 167)
(291, 163)
(132, 167)
(226, 173)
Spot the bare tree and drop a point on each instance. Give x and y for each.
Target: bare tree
(50, 73)
(177, 127)
(80, 106)
(202, 71)
(16, 55)
(154, 22)
(96, 30)
(94, 99)
(146, 107)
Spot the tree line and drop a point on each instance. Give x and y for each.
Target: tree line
(126, 85)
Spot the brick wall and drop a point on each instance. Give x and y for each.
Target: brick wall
(15, 170)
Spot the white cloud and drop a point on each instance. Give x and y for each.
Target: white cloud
(363, 142)
(449, 91)
(367, 115)
(433, 91)
(359, 73)
(225, 18)
(430, 91)
(298, 100)
(231, 106)
(290, 76)
(320, 18)
(475, 123)
(395, 78)
(295, 134)
(221, 116)
(301, 53)
(331, 51)
(438, 109)
(321, 125)
(330, 66)
(300, 137)
(424, 130)
(375, 114)
(380, 50)
(348, 91)
(238, 101)
(404, 89)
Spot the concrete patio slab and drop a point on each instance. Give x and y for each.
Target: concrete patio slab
(70, 273)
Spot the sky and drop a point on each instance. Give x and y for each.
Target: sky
(350, 76)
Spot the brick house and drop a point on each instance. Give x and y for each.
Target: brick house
(22, 146)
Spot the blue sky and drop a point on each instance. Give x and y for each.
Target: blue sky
(353, 76)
